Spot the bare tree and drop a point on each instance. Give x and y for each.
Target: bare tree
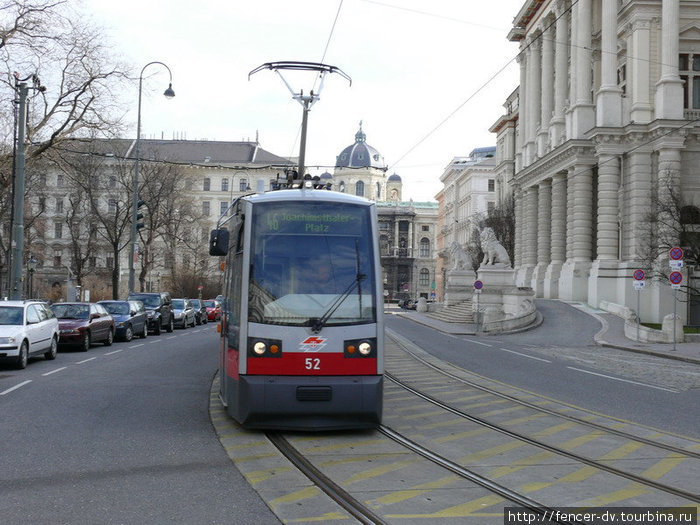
(672, 221)
(46, 39)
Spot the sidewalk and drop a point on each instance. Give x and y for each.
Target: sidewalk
(611, 334)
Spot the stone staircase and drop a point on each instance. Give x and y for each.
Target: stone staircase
(457, 313)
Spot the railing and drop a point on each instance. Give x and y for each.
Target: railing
(691, 114)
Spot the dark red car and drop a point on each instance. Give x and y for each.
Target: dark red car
(213, 309)
(81, 324)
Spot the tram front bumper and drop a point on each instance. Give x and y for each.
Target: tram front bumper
(307, 402)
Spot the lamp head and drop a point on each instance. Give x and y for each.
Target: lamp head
(169, 93)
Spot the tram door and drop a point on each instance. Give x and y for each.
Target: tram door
(231, 321)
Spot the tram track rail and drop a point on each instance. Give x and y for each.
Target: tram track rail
(541, 409)
(542, 445)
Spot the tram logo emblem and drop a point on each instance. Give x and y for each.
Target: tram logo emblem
(312, 344)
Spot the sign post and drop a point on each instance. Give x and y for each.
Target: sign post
(676, 278)
(478, 285)
(638, 285)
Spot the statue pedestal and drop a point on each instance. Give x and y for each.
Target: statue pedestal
(504, 305)
(460, 286)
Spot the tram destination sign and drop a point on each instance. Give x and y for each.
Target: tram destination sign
(310, 220)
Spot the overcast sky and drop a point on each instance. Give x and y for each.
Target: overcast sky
(412, 63)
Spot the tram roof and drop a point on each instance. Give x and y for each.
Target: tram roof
(308, 195)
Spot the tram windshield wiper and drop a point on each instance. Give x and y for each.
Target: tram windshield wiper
(317, 323)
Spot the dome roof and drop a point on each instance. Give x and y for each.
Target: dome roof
(326, 175)
(394, 178)
(360, 154)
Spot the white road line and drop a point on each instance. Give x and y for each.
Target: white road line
(623, 380)
(114, 352)
(171, 337)
(85, 360)
(136, 346)
(16, 387)
(525, 355)
(54, 371)
(482, 344)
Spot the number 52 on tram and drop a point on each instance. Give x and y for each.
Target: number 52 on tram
(302, 330)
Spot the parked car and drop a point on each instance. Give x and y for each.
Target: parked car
(27, 328)
(200, 311)
(407, 304)
(213, 309)
(159, 309)
(82, 324)
(130, 318)
(183, 312)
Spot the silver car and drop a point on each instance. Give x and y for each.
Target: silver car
(183, 313)
(27, 328)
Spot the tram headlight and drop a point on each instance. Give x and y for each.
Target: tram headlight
(263, 347)
(360, 347)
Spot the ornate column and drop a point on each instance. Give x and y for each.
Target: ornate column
(605, 268)
(572, 73)
(534, 99)
(573, 284)
(669, 88)
(583, 117)
(609, 96)
(521, 135)
(547, 93)
(529, 241)
(519, 218)
(558, 236)
(544, 227)
(561, 75)
(638, 83)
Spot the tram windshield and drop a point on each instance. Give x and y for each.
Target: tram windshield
(312, 261)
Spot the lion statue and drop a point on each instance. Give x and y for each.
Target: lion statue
(460, 258)
(494, 252)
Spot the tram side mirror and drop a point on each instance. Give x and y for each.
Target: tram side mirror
(218, 242)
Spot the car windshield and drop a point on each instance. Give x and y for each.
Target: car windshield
(71, 311)
(149, 301)
(117, 308)
(313, 261)
(195, 303)
(178, 304)
(210, 304)
(11, 315)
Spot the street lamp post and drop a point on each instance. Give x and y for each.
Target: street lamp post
(31, 268)
(169, 93)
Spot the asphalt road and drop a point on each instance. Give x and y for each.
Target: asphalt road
(120, 434)
(559, 359)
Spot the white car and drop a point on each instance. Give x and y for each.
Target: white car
(27, 328)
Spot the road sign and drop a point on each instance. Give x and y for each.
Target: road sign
(676, 278)
(675, 265)
(639, 285)
(200, 287)
(676, 253)
(478, 285)
(638, 275)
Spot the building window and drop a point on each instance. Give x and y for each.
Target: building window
(223, 205)
(58, 230)
(206, 184)
(341, 187)
(379, 191)
(92, 261)
(224, 184)
(206, 208)
(384, 226)
(424, 277)
(492, 185)
(59, 181)
(57, 258)
(243, 185)
(112, 181)
(425, 228)
(490, 206)
(109, 262)
(425, 247)
(360, 188)
(689, 70)
(42, 204)
(112, 206)
(384, 246)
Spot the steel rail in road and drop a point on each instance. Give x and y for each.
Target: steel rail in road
(521, 437)
(620, 433)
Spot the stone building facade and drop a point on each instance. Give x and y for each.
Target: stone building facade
(606, 120)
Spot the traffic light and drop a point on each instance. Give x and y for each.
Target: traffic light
(139, 215)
